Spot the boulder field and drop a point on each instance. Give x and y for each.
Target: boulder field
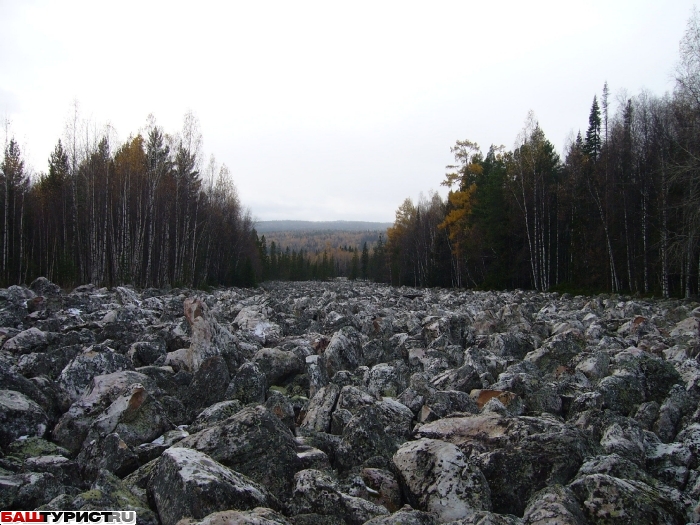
(350, 403)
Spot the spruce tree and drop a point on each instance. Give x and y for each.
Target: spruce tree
(364, 262)
(593, 142)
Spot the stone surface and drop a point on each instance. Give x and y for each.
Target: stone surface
(438, 478)
(188, 483)
(339, 399)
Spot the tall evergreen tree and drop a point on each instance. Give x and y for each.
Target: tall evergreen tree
(593, 143)
(364, 262)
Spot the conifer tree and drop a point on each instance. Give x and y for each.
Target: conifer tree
(593, 143)
(364, 262)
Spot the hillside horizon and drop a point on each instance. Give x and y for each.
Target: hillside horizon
(294, 225)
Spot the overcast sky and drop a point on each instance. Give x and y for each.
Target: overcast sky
(328, 110)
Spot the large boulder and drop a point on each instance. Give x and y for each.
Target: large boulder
(248, 385)
(318, 414)
(94, 361)
(72, 429)
(519, 455)
(255, 443)
(188, 483)
(438, 478)
(209, 384)
(278, 365)
(257, 516)
(342, 353)
(607, 500)
(19, 417)
(27, 342)
(316, 492)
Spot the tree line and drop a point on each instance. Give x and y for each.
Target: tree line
(148, 212)
(277, 263)
(620, 211)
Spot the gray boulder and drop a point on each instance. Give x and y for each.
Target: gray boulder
(255, 443)
(20, 417)
(438, 478)
(94, 361)
(316, 492)
(188, 483)
(257, 516)
(607, 499)
(248, 385)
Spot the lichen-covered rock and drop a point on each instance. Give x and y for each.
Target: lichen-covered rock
(519, 455)
(257, 516)
(563, 389)
(26, 342)
(28, 490)
(606, 499)
(342, 352)
(557, 352)
(42, 286)
(255, 443)
(71, 430)
(144, 353)
(438, 478)
(254, 319)
(215, 413)
(316, 492)
(282, 408)
(278, 365)
(34, 447)
(555, 504)
(92, 362)
(318, 415)
(387, 380)
(110, 453)
(406, 516)
(209, 384)
(382, 488)
(20, 416)
(106, 492)
(248, 385)
(188, 483)
(376, 430)
(464, 379)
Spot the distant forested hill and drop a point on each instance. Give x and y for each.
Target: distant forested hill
(294, 226)
(300, 250)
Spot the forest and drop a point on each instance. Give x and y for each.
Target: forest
(618, 211)
(143, 213)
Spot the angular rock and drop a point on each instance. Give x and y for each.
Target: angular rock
(209, 384)
(255, 443)
(405, 516)
(438, 478)
(188, 483)
(257, 516)
(606, 499)
(315, 492)
(26, 342)
(94, 361)
(72, 428)
(278, 365)
(318, 415)
(555, 504)
(20, 417)
(249, 385)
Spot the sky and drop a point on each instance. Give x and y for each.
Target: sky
(328, 110)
